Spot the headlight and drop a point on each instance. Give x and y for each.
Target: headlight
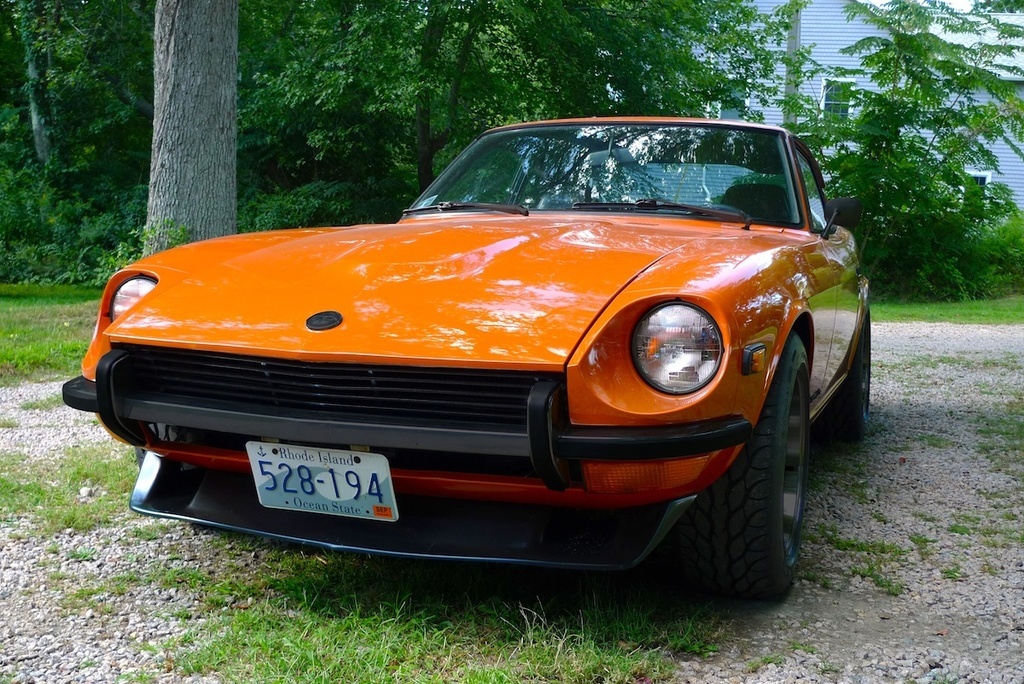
(131, 291)
(677, 348)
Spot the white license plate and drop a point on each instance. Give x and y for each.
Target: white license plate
(330, 481)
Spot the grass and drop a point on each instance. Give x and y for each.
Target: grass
(997, 311)
(44, 330)
(273, 613)
(1003, 438)
(282, 613)
(772, 659)
(44, 404)
(923, 545)
(872, 558)
(49, 491)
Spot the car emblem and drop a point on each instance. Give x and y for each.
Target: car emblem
(324, 320)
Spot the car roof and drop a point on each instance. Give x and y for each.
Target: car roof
(602, 120)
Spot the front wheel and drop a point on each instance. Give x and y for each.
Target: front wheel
(741, 536)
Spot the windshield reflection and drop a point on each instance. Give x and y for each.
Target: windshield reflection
(553, 167)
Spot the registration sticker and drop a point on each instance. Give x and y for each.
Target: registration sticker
(354, 484)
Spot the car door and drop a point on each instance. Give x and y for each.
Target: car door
(835, 308)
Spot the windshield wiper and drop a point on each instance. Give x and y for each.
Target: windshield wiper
(649, 204)
(469, 206)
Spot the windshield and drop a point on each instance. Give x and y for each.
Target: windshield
(589, 167)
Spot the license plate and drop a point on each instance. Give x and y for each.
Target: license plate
(354, 484)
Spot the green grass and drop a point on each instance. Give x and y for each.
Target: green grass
(875, 573)
(287, 614)
(873, 559)
(773, 659)
(44, 404)
(44, 330)
(923, 545)
(952, 573)
(303, 616)
(49, 491)
(1002, 440)
(997, 311)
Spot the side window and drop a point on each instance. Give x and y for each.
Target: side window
(815, 196)
(836, 97)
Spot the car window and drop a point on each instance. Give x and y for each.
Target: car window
(815, 195)
(556, 167)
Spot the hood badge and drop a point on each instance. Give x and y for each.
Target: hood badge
(324, 320)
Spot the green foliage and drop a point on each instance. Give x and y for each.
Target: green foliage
(62, 214)
(929, 232)
(1004, 247)
(345, 108)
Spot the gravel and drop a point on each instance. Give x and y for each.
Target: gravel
(912, 566)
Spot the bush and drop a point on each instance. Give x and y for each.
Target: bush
(48, 239)
(1004, 250)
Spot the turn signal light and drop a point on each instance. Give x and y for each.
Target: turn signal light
(630, 477)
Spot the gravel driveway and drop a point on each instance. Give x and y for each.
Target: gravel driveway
(912, 569)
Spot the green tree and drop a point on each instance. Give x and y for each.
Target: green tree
(368, 102)
(999, 6)
(72, 199)
(937, 106)
(453, 67)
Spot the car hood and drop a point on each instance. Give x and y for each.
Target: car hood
(467, 289)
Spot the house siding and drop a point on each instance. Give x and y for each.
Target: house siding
(1011, 167)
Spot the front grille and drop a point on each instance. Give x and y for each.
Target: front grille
(398, 395)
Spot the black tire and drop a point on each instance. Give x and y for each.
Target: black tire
(845, 417)
(741, 536)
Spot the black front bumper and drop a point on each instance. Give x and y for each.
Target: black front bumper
(427, 528)
(548, 441)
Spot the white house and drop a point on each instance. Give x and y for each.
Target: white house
(823, 27)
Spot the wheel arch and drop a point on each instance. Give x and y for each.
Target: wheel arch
(803, 327)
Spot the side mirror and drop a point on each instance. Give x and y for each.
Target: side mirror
(842, 211)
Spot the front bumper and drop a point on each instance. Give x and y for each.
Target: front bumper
(429, 527)
(537, 530)
(548, 441)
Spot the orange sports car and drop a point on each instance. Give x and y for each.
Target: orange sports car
(587, 338)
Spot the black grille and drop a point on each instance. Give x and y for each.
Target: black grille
(398, 395)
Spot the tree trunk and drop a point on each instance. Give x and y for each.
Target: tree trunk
(192, 184)
(31, 17)
(432, 51)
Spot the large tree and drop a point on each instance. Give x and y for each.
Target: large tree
(455, 66)
(362, 98)
(192, 182)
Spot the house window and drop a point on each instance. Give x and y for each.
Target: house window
(836, 96)
(982, 178)
(716, 110)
